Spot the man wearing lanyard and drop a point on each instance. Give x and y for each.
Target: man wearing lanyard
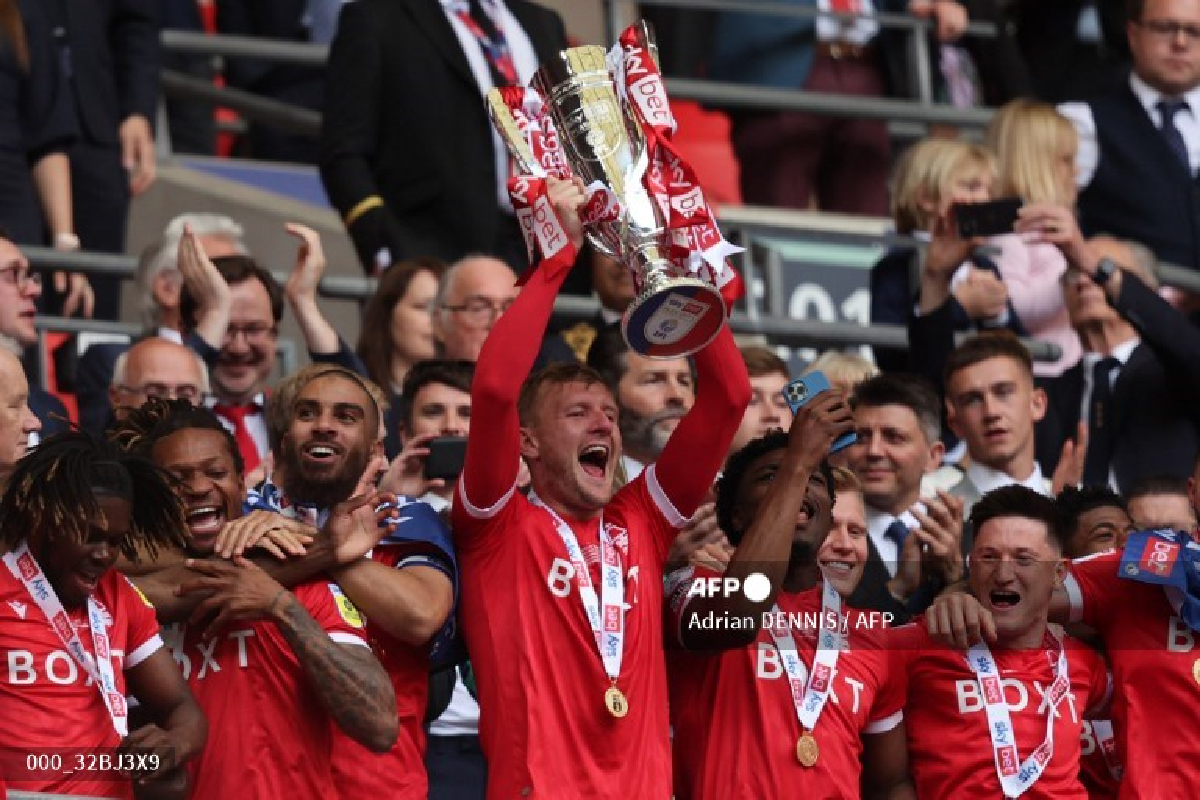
(1136, 598)
(779, 692)
(76, 635)
(1012, 708)
(562, 591)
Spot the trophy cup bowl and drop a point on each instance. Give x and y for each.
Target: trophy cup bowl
(672, 315)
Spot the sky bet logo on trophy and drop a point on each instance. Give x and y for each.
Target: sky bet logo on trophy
(605, 118)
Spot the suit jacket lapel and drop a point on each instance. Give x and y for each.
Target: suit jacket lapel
(429, 17)
(1123, 387)
(538, 36)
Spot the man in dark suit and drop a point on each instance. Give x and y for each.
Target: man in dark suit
(1137, 388)
(112, 54)
(408, 154)
(898, 424)
(1139, 142)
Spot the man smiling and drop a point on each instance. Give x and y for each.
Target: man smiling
(749, 710)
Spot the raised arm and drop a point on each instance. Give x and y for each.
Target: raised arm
(767, 544)
(508, 354)
(696, 450)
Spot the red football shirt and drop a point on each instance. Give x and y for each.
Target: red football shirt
(400, 773)
(543, 723)
(1095, 773)
(1156, 663)
(735, 723)
(48, 703)
(950, 751)
(270, 736)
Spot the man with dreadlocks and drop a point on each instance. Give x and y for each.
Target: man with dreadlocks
(752, 669)
(77, 636)
(271, 646)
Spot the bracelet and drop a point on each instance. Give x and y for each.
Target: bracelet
(362, 207)
(66, 241)
(275, 599)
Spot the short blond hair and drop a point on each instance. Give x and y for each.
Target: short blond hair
(1027, 137)
(848, 369)
(924, 174)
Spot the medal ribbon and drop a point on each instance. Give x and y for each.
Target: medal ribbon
(809, 698)
(1017, 776)
(26, 569)
(606, 614)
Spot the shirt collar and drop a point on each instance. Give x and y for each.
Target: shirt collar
(259, 401)
(878, 521)
(1121, 353)
(1149, 97)
(986, 479)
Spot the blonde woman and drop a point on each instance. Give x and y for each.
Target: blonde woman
(930, 177)
(1035, 147)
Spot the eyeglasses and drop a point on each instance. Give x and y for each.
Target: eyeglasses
(184, 391)
(480, 310)
(20, 276)
(1166, 29)
(258, 332)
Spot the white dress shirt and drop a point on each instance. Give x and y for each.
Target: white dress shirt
(858, 31)
(1087, 157)
(986, 479)
(524, 59)
(256, 423)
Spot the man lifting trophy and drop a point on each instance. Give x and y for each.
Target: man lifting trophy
(605, 118)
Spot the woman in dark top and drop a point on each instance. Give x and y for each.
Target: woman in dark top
(36, 126)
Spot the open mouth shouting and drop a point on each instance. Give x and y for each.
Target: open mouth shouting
(594, 459)
(205, 523)
(1002, 600)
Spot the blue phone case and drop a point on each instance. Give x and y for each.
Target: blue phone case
(805, 388)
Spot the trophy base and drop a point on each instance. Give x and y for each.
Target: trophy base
(675, 317)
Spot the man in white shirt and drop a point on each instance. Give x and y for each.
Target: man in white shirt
(992, 404)
(1139, 144)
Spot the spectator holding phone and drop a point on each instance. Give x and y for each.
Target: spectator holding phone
(932, 176)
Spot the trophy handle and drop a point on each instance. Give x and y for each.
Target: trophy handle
(510, 132)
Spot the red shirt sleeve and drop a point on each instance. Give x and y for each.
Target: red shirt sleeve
(696, 450)
(677, 594)
(333, 611)
(1094, 588)
(142, 636)
(494, 446)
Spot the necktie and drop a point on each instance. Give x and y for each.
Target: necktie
(898, 532)
(844, 6)
(491, 40)
(245, 441)
(1168, 109)
(1101, 436)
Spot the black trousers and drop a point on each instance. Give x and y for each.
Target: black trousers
(456, 767)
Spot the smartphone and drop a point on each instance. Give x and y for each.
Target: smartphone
(446, 457)
(987, 219)
(804, 389)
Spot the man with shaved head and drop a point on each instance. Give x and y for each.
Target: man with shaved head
(17, 422)
(156, 367)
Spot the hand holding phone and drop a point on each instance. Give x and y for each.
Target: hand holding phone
(446, 457)
(801, 391)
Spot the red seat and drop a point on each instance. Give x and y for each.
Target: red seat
(55, 340)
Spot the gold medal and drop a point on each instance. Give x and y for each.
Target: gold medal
(1196, 670)
(614, 700)
(807, 750)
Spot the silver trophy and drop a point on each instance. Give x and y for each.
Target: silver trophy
(602, 141)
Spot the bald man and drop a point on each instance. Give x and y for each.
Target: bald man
(156, 367)
(17, 422)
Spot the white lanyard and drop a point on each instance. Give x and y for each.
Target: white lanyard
(606, 615)
(1017, 776)
(809, 698)
(26, 569)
